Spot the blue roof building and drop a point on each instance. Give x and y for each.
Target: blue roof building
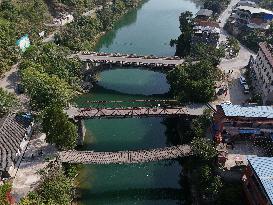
(258, 180)
(261, 112)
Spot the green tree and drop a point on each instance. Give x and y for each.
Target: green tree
(203, 148)
(58, 128)
(183, 43)
(212, 54)
(46, 90)
(4, 191)
(200, 125)
(8, 52)
(210, 184)
(233, 45)
(7, 101)
(53, 60)
(55, 189)
(193, 82)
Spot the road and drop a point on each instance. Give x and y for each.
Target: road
(235, 65)
(243, 57)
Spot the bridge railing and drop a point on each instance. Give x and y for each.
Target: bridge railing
(149, 103)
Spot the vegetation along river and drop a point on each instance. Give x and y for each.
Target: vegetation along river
(144, 31)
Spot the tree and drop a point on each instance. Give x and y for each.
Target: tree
(233, 46)
(203, 148)
(210, 185)
(183, 43)
(217, 6)
(193, 82)
(46, 90)
(209, 52)
(53, 60)
(7, 101)
(200, 125)
(55, 189)
(5, 190)
(59, 130)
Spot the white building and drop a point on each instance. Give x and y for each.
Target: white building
(64, 19)
(263, 72)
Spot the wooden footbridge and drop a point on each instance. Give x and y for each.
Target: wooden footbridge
(161, 109)
(124, 157)
(133, 60)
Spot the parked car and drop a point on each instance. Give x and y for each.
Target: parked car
(227, 103)
(242, 80)
(20, 88)
(246, 89)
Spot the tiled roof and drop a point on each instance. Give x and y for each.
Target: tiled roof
(204, 12)
(263, 167)
(200, 22)
(254, 10)
(12, 132)
(248, 112)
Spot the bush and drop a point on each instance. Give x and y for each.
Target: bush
(193, 82)
(7, 101)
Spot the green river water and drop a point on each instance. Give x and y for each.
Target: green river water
(144, 31)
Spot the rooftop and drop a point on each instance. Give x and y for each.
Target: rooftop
(204, 12)
(254, 10)
(263, 167)
(248, 111)
(12, 133)
(204, 23)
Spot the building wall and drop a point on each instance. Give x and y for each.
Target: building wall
(264, 75)
(253, 192)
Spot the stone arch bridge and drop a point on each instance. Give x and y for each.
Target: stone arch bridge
(124, 157)
(105, 61)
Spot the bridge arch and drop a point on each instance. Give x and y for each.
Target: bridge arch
(101, 61)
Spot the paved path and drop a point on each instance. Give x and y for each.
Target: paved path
(27, 176)
(10, 79)
(243, 57)
(125, 59)
(88, 113)
(235, 92)
(124, 157)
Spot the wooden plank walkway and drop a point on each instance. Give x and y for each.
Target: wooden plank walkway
(89, 113)
(137, 60)
(124, 157)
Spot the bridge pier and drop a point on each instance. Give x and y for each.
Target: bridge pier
(81, 132)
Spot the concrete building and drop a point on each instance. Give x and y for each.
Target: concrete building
(262, 72)
(235, 122)
(258, 181)
(63, 19)
(207, 32)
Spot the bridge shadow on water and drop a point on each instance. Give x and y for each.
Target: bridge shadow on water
(107, 94)
(135, 195)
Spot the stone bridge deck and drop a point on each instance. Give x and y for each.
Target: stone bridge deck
(89, 113)
(124, 157)
(137, 60)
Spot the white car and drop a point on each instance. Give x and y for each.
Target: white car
(227, 103)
